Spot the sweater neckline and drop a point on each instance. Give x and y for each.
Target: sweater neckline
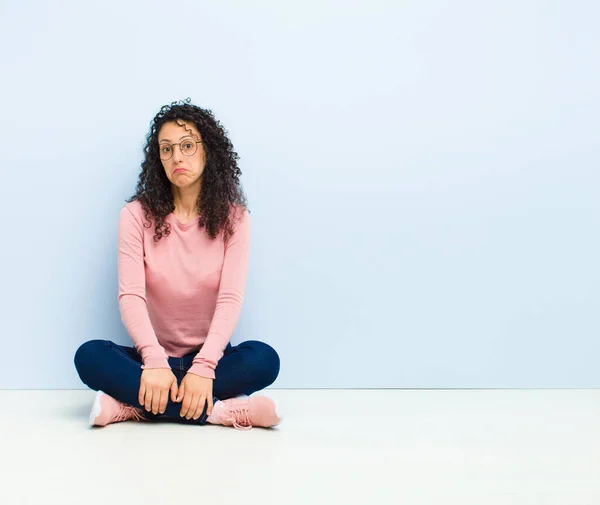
(183, 225)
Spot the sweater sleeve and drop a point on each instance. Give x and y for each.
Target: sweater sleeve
(132, 292)
(229, 299)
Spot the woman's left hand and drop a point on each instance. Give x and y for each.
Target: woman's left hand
(195, 391)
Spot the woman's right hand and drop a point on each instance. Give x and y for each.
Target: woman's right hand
(155, 385)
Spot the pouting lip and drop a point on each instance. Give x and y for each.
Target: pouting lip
(179, 170)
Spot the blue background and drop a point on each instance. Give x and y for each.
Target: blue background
(423, 178)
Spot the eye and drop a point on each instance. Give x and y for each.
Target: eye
(188, 144)
(166, 149)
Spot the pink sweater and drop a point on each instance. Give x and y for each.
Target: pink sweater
(183, 293)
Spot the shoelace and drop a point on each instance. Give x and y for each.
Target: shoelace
(240, 417)
(127, 412)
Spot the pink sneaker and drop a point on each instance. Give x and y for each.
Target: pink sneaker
(107, 410)
(243, 412)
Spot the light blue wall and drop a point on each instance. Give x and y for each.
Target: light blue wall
(423, 178)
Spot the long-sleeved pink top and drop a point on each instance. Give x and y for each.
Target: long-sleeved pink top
(183, 293)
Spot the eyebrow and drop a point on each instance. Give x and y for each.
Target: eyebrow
(168, 140)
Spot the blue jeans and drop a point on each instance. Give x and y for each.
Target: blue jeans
(116, 370)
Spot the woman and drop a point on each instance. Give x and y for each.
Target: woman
(183, 256)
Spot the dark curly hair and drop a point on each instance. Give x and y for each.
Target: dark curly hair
(221, 190)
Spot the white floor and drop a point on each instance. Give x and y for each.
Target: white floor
(446, 447)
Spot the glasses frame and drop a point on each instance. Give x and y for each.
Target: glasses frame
(160, 146)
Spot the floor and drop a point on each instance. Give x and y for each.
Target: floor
(443, 447)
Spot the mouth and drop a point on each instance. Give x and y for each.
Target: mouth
(179, 170)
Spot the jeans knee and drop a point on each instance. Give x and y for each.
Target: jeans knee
(85, 356)
(275, 364)
(268, 362)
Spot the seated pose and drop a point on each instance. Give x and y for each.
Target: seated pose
(183, 259)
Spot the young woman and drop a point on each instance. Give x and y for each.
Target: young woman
(183, 257)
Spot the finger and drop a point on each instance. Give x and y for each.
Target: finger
(174, 391)
(193, 406)
(148, 400)
(199, 408)
(155, 401)
(210, 405)
(181, 392)
(142, 393)
(185, 404)
(192, 409)
(164, 398)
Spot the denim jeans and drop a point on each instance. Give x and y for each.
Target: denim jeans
(116, 369)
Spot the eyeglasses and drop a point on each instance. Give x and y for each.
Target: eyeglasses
(188, 147)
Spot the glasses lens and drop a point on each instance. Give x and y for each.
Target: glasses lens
(188, 147)
(165, 152)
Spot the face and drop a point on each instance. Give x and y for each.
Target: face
(181, 170)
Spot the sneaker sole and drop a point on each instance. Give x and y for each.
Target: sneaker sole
(277, 413)
(96, 409)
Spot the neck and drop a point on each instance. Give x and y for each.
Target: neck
(186, 199)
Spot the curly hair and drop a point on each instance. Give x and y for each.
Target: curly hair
(220, 191)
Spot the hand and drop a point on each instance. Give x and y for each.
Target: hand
(155, 385)
(195, 391)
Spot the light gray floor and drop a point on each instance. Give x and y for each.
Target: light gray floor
(484, 447)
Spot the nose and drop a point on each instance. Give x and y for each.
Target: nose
(177, 154)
